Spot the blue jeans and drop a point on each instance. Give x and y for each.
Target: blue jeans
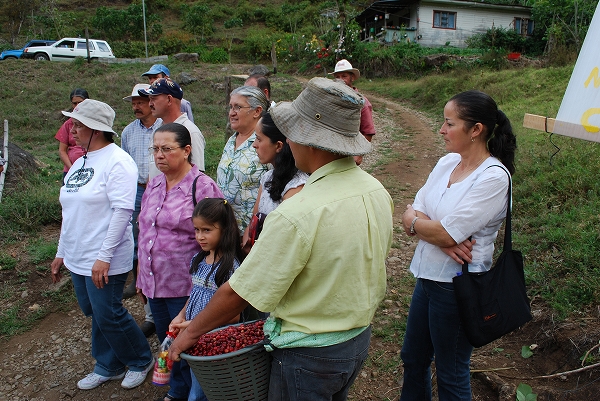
(117, 341)
(317, 374)
(434, 329)
(164, 310)
(196, 392)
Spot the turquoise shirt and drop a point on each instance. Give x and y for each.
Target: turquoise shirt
(319, 264)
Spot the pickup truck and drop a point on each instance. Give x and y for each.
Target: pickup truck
(68, 48)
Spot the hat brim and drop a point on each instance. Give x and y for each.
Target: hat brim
(130, 97)
(355, 71)
(306, 132)
(88, 122)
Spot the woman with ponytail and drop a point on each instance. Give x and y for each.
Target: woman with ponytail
(278, 184)
(456, 215)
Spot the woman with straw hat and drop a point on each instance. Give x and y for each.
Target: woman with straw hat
(98, 250)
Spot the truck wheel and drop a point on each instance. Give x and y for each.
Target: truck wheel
(42, 57)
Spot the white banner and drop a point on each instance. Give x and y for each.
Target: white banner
(579, 113)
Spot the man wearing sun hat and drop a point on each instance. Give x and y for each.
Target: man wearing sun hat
(158, 71)
(319, 265)
(165, 101)
(344, 71)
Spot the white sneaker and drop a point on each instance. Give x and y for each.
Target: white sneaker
(93, 380)
(134, 379)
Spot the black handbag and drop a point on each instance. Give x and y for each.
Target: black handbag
(494, 303)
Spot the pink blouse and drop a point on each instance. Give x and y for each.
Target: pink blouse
(167, 243)
(64, 135)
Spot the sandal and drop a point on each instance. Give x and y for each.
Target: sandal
(169, 397)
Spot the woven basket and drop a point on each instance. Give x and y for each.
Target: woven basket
(242, 375)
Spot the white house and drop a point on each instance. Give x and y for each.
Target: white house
(439, 22)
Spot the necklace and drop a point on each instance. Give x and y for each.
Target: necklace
(464, 173)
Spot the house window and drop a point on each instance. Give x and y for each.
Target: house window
(444, 19)
(524, 26)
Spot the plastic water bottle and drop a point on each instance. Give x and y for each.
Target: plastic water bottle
(163, 365)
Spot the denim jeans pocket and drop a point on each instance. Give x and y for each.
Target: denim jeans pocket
(444, 286)
(315, 385)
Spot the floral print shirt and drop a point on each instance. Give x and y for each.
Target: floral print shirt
(238, 177)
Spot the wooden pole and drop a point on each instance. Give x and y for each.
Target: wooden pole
(5, 153)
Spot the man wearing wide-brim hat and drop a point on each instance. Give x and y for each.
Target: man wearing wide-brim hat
(344, 71)
(319, 265)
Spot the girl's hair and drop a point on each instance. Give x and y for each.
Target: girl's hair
(477, 107)
(254, 96)
(285, 165)
(218, 211)
(82, 93)
(182, 135)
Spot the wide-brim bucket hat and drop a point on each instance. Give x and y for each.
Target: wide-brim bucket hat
(326, 115)
(94, 114)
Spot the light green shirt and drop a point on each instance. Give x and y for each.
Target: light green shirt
(319, 264)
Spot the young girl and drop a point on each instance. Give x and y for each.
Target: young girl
(218, 235)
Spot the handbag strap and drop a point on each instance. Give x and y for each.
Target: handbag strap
(508, 225)
(194, 201)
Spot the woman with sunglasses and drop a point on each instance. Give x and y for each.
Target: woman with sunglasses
(166, 242)
(68, 150)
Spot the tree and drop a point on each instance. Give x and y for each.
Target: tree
(17, 12)
(565, 22)
(197, 19)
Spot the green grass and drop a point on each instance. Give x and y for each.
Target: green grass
(556, 202)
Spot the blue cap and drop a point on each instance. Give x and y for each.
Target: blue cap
(158, 69)
(163, 86)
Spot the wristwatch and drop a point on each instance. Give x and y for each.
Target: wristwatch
(412, 225)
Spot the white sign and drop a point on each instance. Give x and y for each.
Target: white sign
(579, 113)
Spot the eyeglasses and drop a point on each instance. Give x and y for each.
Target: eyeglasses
(165, 150)
(237, 108)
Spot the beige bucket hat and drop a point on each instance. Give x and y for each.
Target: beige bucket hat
(326, 115)
(94, 114)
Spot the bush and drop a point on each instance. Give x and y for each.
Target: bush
(257, 44)
(133, 49)
(498, 38)
(114, 24)
(174, 42)
(216, 56)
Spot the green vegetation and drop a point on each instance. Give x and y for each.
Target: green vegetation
(556, 200)
(306, 35)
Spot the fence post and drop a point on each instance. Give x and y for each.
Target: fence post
(5, 154)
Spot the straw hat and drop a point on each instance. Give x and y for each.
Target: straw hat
(326, 115)
(344, 65)
(94, 114)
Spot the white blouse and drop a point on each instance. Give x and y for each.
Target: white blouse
(474, 207)
(266, 205)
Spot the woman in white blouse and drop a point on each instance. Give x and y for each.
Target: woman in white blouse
(456, 215)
